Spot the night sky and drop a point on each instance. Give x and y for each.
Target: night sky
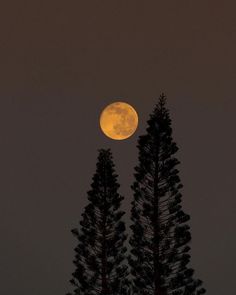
(61, 63)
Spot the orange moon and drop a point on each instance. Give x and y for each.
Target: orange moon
(119, 120)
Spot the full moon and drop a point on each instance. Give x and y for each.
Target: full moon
(119, 120)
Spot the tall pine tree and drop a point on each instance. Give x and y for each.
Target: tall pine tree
(160, 233)
(100, 254)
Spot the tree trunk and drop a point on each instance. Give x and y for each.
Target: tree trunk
(158, 290)
(105, 290)
(104, 270)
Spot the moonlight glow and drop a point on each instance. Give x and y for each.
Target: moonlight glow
(119, 120)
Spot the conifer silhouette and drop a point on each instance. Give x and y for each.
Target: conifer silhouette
(100, 253)
(160, 233)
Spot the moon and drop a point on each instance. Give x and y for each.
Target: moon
(119, 120)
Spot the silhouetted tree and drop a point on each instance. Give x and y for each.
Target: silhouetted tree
(100, 254)
(160, 234)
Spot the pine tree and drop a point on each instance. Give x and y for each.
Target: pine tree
(160, 233)
(100, 253)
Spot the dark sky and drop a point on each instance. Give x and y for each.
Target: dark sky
(61, 62)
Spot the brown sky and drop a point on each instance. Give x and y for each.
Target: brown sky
(61, 62)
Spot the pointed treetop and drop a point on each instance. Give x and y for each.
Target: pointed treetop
(162, 99)
(104, 152)
(105, 155)
(159, 117)
(161, 103)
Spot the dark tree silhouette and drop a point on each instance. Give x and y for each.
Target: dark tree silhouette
(160, 234)
(100, 254)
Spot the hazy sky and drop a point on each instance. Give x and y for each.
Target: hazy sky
(61, 63)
